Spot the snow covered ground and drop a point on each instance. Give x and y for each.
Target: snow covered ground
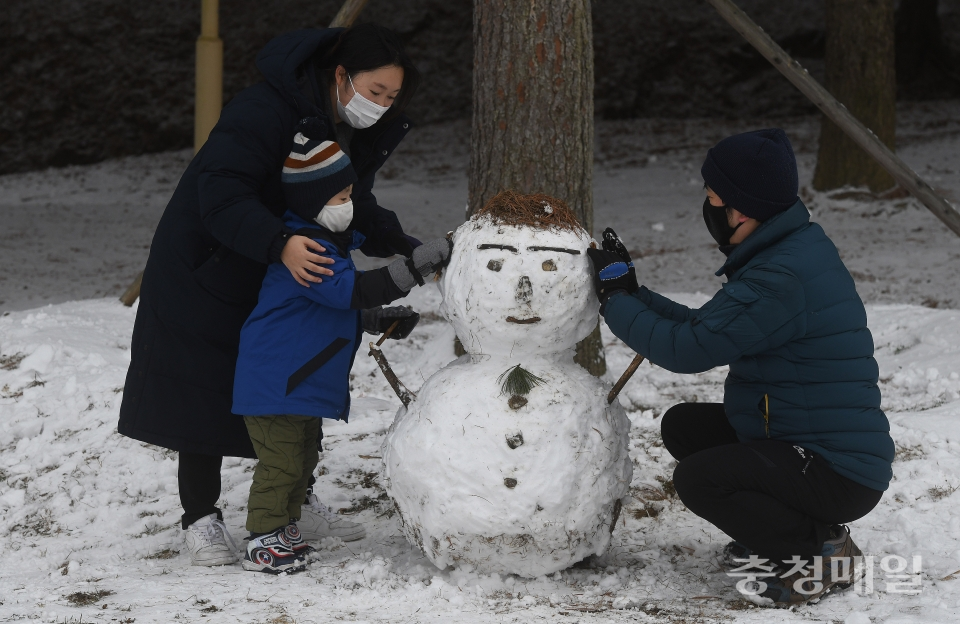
(89, 519)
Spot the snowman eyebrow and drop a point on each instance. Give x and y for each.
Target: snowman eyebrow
(575, 252)
(495, 246)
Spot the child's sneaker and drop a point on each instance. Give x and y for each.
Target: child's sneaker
(273, 553)
(210, 543)
(292, 533)
(318, 521)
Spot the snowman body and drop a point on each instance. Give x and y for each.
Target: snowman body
(523, 484)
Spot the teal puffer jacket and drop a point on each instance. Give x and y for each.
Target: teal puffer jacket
(794, 331)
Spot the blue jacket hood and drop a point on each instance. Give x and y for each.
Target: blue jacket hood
(279, 60)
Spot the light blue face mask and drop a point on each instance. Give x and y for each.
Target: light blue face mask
(336, 218)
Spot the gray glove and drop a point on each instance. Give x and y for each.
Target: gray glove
(428, 258)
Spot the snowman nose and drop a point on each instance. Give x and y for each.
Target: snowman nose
(524, 290)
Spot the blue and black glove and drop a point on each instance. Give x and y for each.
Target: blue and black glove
(613, 269)
(378, 320)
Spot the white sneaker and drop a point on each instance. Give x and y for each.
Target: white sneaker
(210, 543)
(318, 521)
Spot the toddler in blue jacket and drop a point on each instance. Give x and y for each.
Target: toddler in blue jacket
(299, 343)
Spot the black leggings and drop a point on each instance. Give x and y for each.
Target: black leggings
(764, 494)
(199, 479)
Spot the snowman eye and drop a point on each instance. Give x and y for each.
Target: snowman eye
(495, 265)
(549, 265)
(572, 252)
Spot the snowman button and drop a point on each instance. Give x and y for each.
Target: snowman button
(510, 483)
(516, 402)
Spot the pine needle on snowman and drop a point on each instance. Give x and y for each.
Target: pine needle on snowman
(510, 459)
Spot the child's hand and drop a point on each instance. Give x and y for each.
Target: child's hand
(302, 256)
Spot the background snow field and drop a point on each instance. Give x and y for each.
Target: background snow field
(90, 518)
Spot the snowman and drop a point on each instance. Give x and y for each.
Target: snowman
(510, 460)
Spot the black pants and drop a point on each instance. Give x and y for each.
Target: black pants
(199, 480)
(764, 494)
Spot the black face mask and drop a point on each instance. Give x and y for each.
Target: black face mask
(716, 219)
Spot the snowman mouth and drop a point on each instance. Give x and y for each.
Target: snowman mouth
(523, 321)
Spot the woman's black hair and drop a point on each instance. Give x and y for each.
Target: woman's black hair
(366, 47)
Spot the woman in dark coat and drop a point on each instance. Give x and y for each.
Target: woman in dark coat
(222, 228)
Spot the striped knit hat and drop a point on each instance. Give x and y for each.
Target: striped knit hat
(315, 170)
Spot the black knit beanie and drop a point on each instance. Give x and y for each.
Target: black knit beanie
(754, 172)
(315, 170)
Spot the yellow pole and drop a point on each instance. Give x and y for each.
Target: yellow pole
(209, 86)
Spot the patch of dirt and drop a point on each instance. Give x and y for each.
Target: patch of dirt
(166, 553)
(84, 599)
(10, 362)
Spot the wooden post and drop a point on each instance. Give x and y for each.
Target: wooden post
(133, 291)
(837, 113)
(209, 80)
(348, 13)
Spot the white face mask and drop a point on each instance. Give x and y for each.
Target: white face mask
(359, 111)
(336, 218)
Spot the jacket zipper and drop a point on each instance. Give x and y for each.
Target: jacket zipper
(766, 414)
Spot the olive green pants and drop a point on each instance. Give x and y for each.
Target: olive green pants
(286, 448)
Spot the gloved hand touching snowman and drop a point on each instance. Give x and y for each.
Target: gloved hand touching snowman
(380, 319)
(612, 267)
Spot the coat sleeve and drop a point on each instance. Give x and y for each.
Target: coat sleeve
(244, 150)
(349, 288)
(758, 312)
(334, 291)
(372, 220)
(666, 308)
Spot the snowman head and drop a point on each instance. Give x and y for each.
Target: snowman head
(519, 281)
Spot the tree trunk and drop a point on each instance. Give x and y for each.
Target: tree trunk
(860, 68)
(924, 63)
(533, 111)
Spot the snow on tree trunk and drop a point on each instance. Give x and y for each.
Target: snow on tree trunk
(533, 111)
(860, 68)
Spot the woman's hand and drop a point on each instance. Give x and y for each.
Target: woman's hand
(302, 256)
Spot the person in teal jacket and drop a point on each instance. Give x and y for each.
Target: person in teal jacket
(799, 444)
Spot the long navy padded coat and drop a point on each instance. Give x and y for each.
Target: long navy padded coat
(210, 253)
(794, 331)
